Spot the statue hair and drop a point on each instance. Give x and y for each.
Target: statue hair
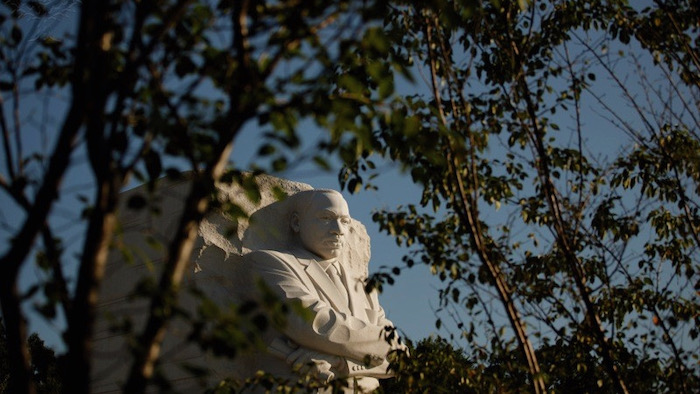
(301, 201)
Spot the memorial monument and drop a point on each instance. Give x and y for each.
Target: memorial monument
(305, 249)
(346, 336)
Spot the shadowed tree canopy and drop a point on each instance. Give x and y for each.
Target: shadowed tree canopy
(44, 365)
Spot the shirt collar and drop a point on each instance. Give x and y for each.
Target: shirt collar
(325, 264)
(305, 254)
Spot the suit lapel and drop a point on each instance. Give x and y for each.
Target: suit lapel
(373, 309)
(362, 306)
(357, 295)
(325, 285)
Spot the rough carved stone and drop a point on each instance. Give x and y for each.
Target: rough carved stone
(223, 247)
(315, 241)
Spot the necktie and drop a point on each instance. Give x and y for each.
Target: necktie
(334, 274)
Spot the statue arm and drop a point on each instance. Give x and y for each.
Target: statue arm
(329, 331)
(376, 312)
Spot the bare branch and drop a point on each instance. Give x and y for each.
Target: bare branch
(6, 141)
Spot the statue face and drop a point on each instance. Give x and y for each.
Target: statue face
(322, 226)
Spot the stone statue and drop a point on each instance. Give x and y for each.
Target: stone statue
(346, 336)
(293, 245)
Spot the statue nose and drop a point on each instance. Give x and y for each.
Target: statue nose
(337, 227)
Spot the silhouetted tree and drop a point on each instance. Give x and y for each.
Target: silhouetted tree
(44, 365)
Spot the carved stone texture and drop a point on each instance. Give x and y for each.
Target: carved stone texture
(221, 245)
(318, 258)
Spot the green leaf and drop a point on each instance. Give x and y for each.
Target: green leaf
(251, 189)
(322, 163)
(278, 193)
(136, 202)
(38, 8)
(16, 34)
(354, 185)
(266, 150)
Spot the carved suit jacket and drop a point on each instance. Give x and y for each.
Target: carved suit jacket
(342, 334)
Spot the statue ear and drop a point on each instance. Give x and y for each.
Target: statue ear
(294, 222)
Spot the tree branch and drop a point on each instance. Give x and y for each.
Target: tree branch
(469, 215)
(196, 206)
(6, 141)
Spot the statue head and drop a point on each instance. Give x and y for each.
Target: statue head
(319, 220)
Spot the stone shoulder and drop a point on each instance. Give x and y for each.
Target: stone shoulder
(268, 259)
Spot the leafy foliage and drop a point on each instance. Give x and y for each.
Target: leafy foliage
(433, 366)
(519, 202)
(44, 365)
